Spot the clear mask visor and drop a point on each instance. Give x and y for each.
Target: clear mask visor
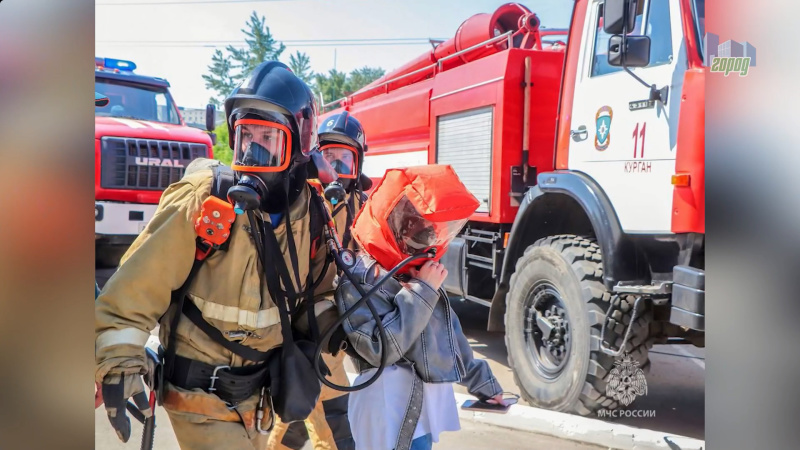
(343, 159)
(414, 233)
(261, 146)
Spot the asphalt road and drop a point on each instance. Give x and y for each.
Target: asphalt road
(675, 383)
(472, 436)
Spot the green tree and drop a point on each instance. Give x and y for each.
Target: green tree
(362, 77)
(219, 77)
(261, 46)
(234, 64)
(332, 85)
(222, 151)
(335, 85)
(300, 64)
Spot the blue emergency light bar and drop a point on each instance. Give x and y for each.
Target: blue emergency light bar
(119, 64)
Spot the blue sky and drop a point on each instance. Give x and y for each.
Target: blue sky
(176, 41)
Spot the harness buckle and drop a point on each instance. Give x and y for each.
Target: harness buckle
(214, 377)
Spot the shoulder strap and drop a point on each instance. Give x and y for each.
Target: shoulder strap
(353, 205)
(215, 226)
(316, 219)
(178, 298)
(224, 179)
(196, 316)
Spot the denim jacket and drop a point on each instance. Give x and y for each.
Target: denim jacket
(423, 331)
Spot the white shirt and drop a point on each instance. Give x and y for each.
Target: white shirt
(376, 412)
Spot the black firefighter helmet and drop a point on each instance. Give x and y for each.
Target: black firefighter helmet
(273, 88)
(343, 143)
(272, 126)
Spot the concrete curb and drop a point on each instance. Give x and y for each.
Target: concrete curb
(564, 426)
(576, 428)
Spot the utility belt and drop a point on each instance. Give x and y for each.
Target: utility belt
(232, 385)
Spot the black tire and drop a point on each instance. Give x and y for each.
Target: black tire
(571, 266)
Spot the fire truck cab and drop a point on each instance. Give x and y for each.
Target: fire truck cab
(586, 150)
(142, 145)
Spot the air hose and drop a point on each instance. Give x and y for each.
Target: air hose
(337, 251)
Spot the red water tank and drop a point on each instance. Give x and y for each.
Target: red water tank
(478, 28)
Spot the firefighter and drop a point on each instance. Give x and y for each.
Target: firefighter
(212, 393)
(343, 144)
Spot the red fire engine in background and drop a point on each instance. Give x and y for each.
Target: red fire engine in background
(586, 149)
(141, 146)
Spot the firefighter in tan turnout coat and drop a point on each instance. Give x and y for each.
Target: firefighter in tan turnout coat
(212, 393)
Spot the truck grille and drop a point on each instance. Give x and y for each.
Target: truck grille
(145, 164)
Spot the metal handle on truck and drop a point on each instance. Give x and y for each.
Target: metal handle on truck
(577, 133)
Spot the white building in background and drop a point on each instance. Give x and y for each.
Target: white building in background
(196, 116)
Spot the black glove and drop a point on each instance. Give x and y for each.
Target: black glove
(117, 389)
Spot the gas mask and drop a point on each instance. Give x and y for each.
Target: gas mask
(344, 160)
(271, 175)
(414, 234)
(413, 211)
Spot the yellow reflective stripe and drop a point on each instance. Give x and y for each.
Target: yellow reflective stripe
(251, 319)
(133, 336)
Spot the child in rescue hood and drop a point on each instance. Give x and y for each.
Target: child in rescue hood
(411, 211)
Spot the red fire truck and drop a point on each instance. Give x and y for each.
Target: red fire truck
(586, 149)
(141, 146)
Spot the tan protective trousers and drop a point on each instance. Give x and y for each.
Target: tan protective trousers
(327, 426)
(209, 434)
(202, 421)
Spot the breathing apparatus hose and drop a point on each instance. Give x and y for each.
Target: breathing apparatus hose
(336, 251)
(365, 297)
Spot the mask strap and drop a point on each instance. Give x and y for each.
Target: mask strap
(350, 205)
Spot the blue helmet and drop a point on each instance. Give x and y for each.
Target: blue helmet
(340, 130)
(345, 129)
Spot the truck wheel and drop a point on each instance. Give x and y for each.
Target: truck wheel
(555, 310)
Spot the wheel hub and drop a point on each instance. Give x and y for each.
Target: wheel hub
(547, 330)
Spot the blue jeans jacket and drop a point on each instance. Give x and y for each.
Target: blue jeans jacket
(422, 328)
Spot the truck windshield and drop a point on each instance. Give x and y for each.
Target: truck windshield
(136, 101)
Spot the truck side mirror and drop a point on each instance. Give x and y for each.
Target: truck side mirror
(211, 117)
(100, 99)
(614, 16)
(635, 54)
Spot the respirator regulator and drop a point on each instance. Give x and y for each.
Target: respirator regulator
(247, 194)
(335, 193)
